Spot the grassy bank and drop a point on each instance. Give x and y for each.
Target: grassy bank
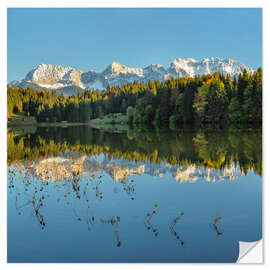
(112, 118)
(114, 122)
(20, 120)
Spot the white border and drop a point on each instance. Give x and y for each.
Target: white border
(134, 3)
(131, 3)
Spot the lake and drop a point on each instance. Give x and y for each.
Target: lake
(78, 194)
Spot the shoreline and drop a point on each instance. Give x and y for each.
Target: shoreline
(68, 124)
(57, 124)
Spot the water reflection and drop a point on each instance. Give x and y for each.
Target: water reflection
(114, 221)
(214, 225)
(148, 221)
(60, 168)
(84, 181)
(172, 230)
(209, 149)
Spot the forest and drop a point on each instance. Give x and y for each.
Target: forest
(208, 99)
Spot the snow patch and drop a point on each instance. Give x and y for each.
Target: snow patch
(116, 74)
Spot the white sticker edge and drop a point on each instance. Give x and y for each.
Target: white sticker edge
(250, 252)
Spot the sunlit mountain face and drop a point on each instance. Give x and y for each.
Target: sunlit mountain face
(70, 80)
(140, 196)
(64, 167)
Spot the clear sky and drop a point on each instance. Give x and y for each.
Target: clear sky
(93, 38)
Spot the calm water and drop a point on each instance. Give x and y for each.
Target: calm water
(81, 195)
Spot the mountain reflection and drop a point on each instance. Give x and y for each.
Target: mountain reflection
(69, 167)
(85, 178)
(56, 154)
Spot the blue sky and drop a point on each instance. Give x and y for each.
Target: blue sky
(93, 38)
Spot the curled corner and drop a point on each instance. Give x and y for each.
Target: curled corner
(250, 252)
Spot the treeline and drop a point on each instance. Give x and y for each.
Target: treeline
(204, 99)
(200, 148)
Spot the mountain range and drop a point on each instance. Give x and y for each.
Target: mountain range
(70, 80)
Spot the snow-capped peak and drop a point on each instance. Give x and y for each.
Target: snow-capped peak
(49, 76)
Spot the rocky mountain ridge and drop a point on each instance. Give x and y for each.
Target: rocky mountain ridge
(70, 80)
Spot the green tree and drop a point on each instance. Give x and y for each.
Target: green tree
(130, 113)
(234, 110)
(149, 115)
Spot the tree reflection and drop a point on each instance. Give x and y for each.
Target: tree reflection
(207, 148)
